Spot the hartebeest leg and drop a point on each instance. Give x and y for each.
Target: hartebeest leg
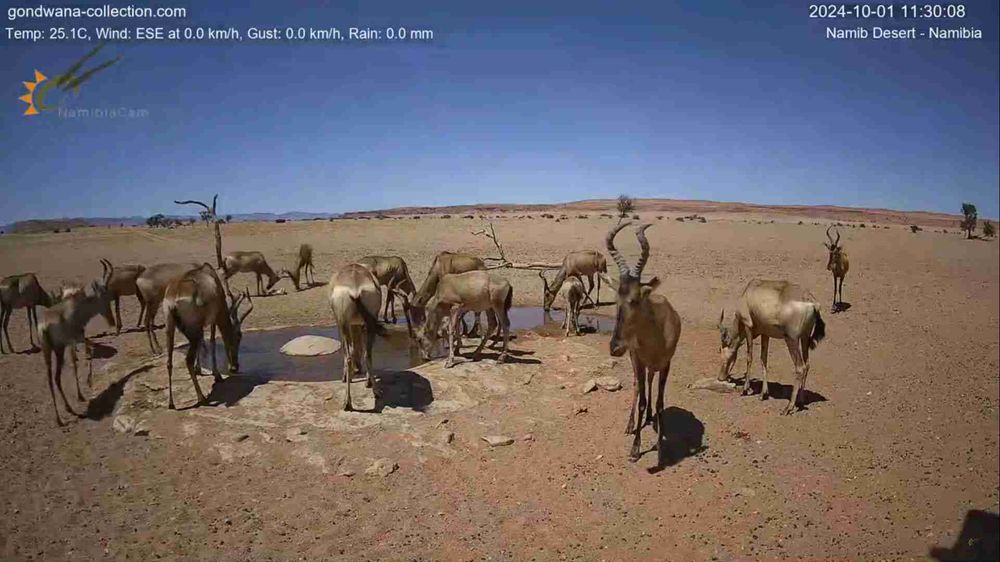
(3, 316)
(369, 341)
(32, 325)
(661, 385)
(801, 398)
(118, 316)
(193, 365)
(630, 426)
(349, 343)
(640, 383)
(833, 307)
(169, 329)
(748, 336)
(142, 310)
(76, 376)
(454, 325)
(154, 344)
(49, 375)
(764, 341)
(60, 361)
(650, 375)
(6, 332)
(215, 368)
(491, 325)
(796, 353)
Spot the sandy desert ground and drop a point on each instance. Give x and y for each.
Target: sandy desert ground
(898, 443)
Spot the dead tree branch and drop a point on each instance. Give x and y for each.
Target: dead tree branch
(215, 221)
(502, 262)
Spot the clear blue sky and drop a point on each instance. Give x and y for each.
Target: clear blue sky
(511, 102)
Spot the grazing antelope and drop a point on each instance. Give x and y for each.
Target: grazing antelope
(192, 301)
(21, 291)
(458, 293)
(585, 263)
(646, 326)
(121, 283)
(304, 265)
(392, 273)
(573, 293)
(249, 262)
(772, 309)
(838, 264)
(355, 298)
(444, 264)
(151, 286)
(63, 325)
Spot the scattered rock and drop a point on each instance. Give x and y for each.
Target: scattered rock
(611, 363)
(589, 386)
(715, 385)
(123, 424)
(567, 358)
(311, 346)
(528, 437)
(241, 437)
(382, 467)
(295, 435)
(578, 409)
(611, 384)
(141, 429)
(498, 440)
(446, 437)
(266, 437)
(746, 492)
(347, 472)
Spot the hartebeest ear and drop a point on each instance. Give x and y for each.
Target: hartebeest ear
(649, 286)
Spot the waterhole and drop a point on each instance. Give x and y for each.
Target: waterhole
(260, 354)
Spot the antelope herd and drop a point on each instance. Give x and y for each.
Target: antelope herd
(196, 296)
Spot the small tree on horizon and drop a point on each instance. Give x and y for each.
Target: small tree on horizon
(968, 223)
(988, 230)
(625, 206)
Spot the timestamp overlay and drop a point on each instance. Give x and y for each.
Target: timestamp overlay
(897, 22)
(167, 23)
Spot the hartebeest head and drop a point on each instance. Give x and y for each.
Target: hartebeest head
(233, 350)
(632, 291)
(835, 249)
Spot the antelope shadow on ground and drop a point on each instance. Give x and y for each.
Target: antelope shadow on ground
(978, 539)
(780, 391)
(683, 437)
(841, 307)
(101, 406)
(403, 389)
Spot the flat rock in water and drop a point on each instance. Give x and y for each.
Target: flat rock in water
(715, 385)
(311, 346)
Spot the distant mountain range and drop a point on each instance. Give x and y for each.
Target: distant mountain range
(47, 225)
(819, 212)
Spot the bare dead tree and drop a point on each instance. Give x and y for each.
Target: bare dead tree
(501, 262)
(211, 214)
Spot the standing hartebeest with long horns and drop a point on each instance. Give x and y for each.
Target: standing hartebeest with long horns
(303, 267)
(249, 262)
(582, 264)
(355, 298)
(63, 325)
(192, 301)
(21, 291)
(838, 264)
(121, 283)
(646, 326)
(151, 285)
(772, 309)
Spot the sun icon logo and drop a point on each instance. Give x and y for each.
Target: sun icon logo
(29, 97)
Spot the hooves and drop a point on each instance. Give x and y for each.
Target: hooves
(348, 407)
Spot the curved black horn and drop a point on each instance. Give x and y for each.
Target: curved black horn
(609, 241)
(246, 313)
(828, 237)
(640, 233)
(838, 238)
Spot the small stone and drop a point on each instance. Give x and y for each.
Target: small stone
(241, 437)
(346, 472)
(266, 437)
(311, 346)
(715, 385)
(123, 424)
(498, 440)
(567, 358)
(746, 492)
(589, 386)
(611, 363)
(579, 409)
(446, 437)
(611, 384)
(382, 467)
(295, 435)
(141, 429)
(528, 437)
